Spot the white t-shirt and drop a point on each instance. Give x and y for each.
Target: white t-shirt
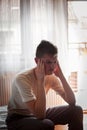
(24, 89)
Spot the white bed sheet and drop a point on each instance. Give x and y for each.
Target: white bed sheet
(3, 114)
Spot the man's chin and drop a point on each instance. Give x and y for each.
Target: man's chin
(49, 73)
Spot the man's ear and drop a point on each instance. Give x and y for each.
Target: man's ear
(36, 60)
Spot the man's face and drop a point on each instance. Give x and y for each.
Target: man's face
(50, 62)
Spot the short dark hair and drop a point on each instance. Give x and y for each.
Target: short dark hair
(45, 47)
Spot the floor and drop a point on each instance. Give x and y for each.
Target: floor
(85, 122)
(61, 127)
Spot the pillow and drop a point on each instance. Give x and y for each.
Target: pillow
(3, 114)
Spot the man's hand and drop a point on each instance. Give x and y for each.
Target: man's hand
(57, 70)
(40, 72)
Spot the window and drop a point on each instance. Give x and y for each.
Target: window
(77, 39)
(10, 27)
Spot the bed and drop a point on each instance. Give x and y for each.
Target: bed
(5, 92)
(3, 114)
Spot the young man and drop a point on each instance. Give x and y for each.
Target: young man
(27, 106)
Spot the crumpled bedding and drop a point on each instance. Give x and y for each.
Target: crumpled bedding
(3, 114)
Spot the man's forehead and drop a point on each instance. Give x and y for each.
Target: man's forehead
(48, 57)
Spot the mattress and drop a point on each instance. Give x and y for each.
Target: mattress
(3, 114)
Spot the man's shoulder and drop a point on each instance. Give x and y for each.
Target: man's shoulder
(24, 74)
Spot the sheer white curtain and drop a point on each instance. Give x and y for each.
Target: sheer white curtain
(10, 43)
(44, 19)
(23, 24)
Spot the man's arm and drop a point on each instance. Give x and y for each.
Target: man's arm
(38, 106)
(68, 96)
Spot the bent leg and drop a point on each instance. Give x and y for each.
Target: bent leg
(31, 123)
(71, 115)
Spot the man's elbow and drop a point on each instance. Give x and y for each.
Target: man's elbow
(72, 102)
